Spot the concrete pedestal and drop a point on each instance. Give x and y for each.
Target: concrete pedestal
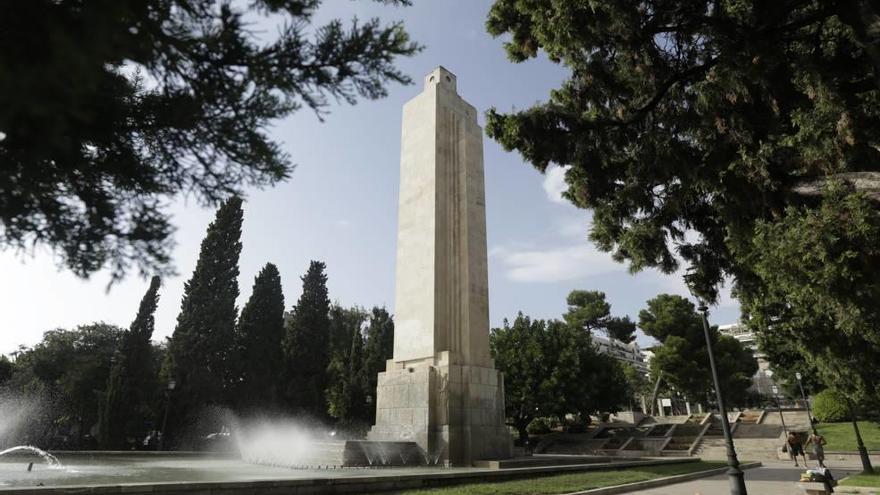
(455, 413)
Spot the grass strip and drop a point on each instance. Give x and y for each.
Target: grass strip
(840, 436)
(868, 480)
(571, 482)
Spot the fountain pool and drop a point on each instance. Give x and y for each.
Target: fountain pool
(150, 473)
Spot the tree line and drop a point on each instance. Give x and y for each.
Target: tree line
(552, 369)
(317, 360)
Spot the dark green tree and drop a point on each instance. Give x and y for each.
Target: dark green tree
(258, 337)
(697, 116)
(588, 310)
(551, 369)
(200, 357)
(787, 358)
(819, 291)
(743, 123)
(347, 379)
(67, 371)
(378, 349)
(307, 346)
(110, 107)
(518, 351)
(682, 357)
(6, 369)
(127, 398)
(638, 387)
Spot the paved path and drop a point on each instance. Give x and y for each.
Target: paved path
(770, 479)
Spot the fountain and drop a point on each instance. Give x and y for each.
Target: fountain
(48, 458)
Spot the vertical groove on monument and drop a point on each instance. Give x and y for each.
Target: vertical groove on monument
(441, 389)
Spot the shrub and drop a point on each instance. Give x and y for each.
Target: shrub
(539, 426)
(830, 406)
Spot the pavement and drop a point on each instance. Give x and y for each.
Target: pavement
(773, 478)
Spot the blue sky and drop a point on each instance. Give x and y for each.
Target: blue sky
(340, 205)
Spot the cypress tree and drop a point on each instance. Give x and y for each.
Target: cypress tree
(347, 390)
(307, 346)
(258, 336)
(126, 404)
(199, 350)
(379, 348)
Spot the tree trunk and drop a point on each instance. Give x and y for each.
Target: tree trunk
(865, 182)
(522, 429)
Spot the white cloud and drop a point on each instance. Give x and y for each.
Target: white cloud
(554, 183)
(554, 264)
(342, 223)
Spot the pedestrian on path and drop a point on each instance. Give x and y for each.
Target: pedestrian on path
(795, 448)
(818, 442)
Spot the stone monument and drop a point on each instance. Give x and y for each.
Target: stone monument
(441, 389)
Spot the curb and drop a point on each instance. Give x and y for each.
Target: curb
(669, 480)
(864, 490)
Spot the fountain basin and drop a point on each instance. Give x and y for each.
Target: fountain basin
(343, 453)
(87, 473)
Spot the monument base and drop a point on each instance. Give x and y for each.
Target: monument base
(455, 413)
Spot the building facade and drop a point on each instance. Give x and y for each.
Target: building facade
(762, 380)
(630, 354)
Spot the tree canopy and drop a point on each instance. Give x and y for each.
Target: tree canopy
(258, 336)
(128, 396)
(66, 372)
(109, 108)
(682, 357)
(736, 138)
(552, 369)
(347, 379)
(682, 116)
(306, 345)
(588, 310)
(201, 350)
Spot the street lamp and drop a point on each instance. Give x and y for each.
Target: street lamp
(737, 483)
(170, 388)
(781, 417)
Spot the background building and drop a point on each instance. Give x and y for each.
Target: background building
(630, 354)
(762, 380)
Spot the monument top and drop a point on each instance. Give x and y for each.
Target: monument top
(442, 77)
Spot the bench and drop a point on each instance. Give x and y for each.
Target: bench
(813, 488)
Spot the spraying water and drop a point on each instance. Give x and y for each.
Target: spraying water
(49, 459)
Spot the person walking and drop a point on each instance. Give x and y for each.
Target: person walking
(795, 448)
(818, 442)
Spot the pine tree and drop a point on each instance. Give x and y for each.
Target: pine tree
(91, 151)
(307, 346)
(199, 350)
(378, 349)
(258, 337)
(126, 404)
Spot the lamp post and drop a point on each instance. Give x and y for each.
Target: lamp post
(804, 397)
(737, 482)
(778, 407)
(170, 388)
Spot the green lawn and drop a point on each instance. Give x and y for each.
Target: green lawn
(870, 480)
(840, 436)
(566, 483)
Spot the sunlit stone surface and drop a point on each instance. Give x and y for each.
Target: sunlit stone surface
(441, 389)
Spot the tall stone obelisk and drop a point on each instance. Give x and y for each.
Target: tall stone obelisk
(441, 389)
